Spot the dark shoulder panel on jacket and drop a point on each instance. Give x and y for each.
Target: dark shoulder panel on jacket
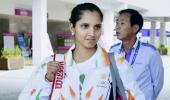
(149, 46)
(117, 44)
(113, 47)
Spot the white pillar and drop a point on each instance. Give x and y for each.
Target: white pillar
(162, 33)
(153, 32)
(39, 28)
(108, 28)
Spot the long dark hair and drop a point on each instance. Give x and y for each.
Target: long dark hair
(79, 9)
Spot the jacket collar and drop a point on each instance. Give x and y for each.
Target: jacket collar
(120, 47)
(102, 58)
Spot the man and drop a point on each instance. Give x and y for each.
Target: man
(143, 58)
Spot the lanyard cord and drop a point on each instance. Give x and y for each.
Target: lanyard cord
(53, 80)
(136, 53)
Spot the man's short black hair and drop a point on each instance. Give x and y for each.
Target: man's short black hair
(135, 17)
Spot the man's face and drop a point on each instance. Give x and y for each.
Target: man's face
(124, 30)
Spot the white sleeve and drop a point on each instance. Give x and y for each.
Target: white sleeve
(157, 72)
(37, 88)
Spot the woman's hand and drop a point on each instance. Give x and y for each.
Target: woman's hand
(52, 68)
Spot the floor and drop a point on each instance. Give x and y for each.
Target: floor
(12, 82)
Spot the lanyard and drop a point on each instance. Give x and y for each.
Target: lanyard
(136, 53)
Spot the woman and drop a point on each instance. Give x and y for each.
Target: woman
(86, 73)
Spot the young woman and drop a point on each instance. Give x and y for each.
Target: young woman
(86, 72)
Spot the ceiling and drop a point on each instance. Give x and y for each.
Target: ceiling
(115, 5)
